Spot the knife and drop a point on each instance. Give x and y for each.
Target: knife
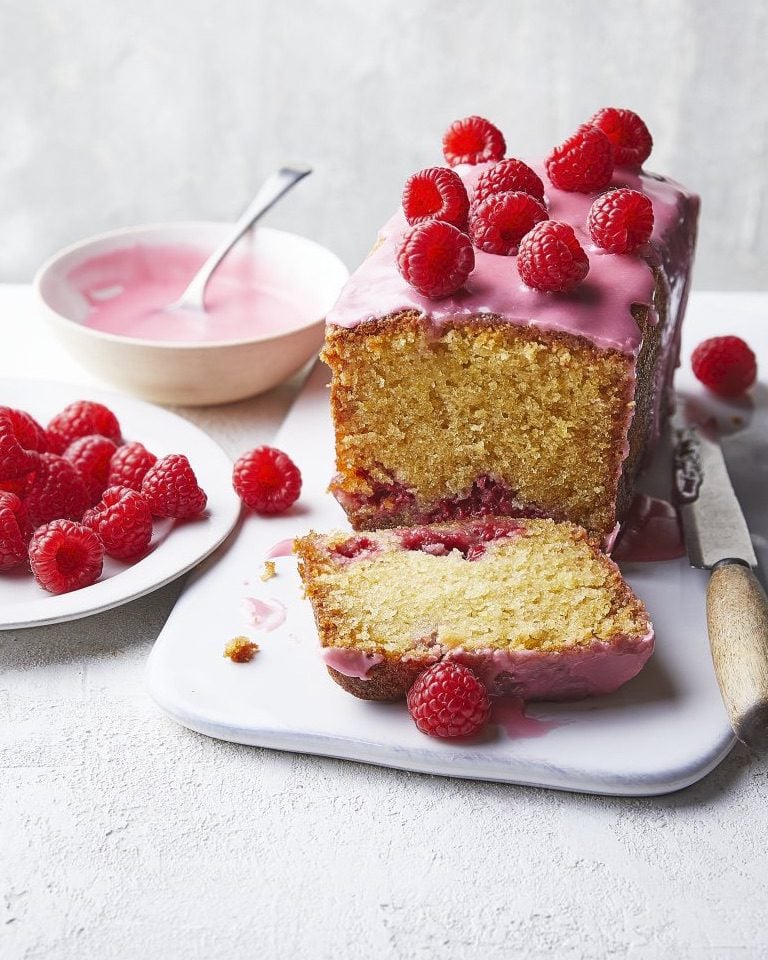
(717, 539)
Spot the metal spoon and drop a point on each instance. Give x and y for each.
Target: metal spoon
(273, 188)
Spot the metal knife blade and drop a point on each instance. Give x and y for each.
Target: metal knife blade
(713, 524)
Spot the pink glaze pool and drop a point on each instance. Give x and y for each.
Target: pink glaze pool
(127, 291)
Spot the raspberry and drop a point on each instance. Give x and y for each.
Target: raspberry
(500, 222)
(266, 480)
(56, 490)
(435, 258)
(621, 221)
(129, 466)
(551, 258)
(15, 461)
(91, 457)
(13, 546)
(436, 193)
(65, 556)
(632, 143)
(472, 140)
(583, 162)
(26, 429)
(55, 442)
(725, 365)
(508, 176)
(123, 522)
(171, 488)
(81, 419)
(448, 700)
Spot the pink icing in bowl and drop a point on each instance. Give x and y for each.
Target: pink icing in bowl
(104, 298)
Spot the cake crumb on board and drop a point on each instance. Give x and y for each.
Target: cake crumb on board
(269, 570)
(241, 650)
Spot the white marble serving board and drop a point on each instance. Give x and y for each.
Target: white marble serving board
(664, 730)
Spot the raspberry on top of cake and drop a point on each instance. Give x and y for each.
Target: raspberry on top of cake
(508, 346)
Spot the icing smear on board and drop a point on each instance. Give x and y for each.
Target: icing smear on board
(264, 614)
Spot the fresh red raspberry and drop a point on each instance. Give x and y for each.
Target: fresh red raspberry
(15, 461)
(583, 162)
(13, 541)
(508, 176)
(436, 193)
(83, 418)
(448, 700)
(55, 491)
(123, 522)
(65, 556)
(621, 221)
(500, 222)
(435, 258)
(91, 458)
(26, 429)
(632, 143)
(266, 480)
(55, 442)
(551, 258)
(472, 140)
(725, 365)
(171, 488)
(129, 466)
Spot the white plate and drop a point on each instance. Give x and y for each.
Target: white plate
(176, 547)
(662, 731)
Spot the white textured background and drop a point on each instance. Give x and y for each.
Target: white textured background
(116, 112)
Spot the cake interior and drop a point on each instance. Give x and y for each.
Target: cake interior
(533, 585)
(483, 420)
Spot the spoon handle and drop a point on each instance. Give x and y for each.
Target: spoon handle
(272, 189)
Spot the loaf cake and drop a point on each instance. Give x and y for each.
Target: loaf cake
(501, 398)
(530, 605)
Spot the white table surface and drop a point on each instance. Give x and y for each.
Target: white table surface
(123, 835)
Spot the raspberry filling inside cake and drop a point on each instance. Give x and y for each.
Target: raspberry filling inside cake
(532, 606)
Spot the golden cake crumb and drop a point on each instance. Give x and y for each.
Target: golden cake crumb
(269, 570)
(241, 650)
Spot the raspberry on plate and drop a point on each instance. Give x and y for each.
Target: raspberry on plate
(583, 162)
(472, 140)
(129, 465)
(81, 419)
(13, 542)
(55, 491)
(508, 176)
(551, 258)
(621, 221)
(448, 700)
(91, 458)
(266, 480)
(435, 258)
(500, 222)
(632, 142)
(725, 365)
(123, 521)
(171, 488)
(15, 461)
(26, 429)
(436, 193)
(65, 556)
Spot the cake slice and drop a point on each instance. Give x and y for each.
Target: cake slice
(502, 399)
(532, 606)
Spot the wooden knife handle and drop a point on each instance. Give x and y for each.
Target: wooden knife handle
(737, 618)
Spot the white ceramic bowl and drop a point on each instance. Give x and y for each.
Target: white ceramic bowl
(194, 373)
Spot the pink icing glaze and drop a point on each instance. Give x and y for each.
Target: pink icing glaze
(352, 663)
(283, 548)
(650, 532)
(569, 674)
(264, 614)
(509, 714)
(598, 309)
(127, 290)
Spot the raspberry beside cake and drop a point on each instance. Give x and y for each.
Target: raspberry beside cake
(531, 606)
(501, 398)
